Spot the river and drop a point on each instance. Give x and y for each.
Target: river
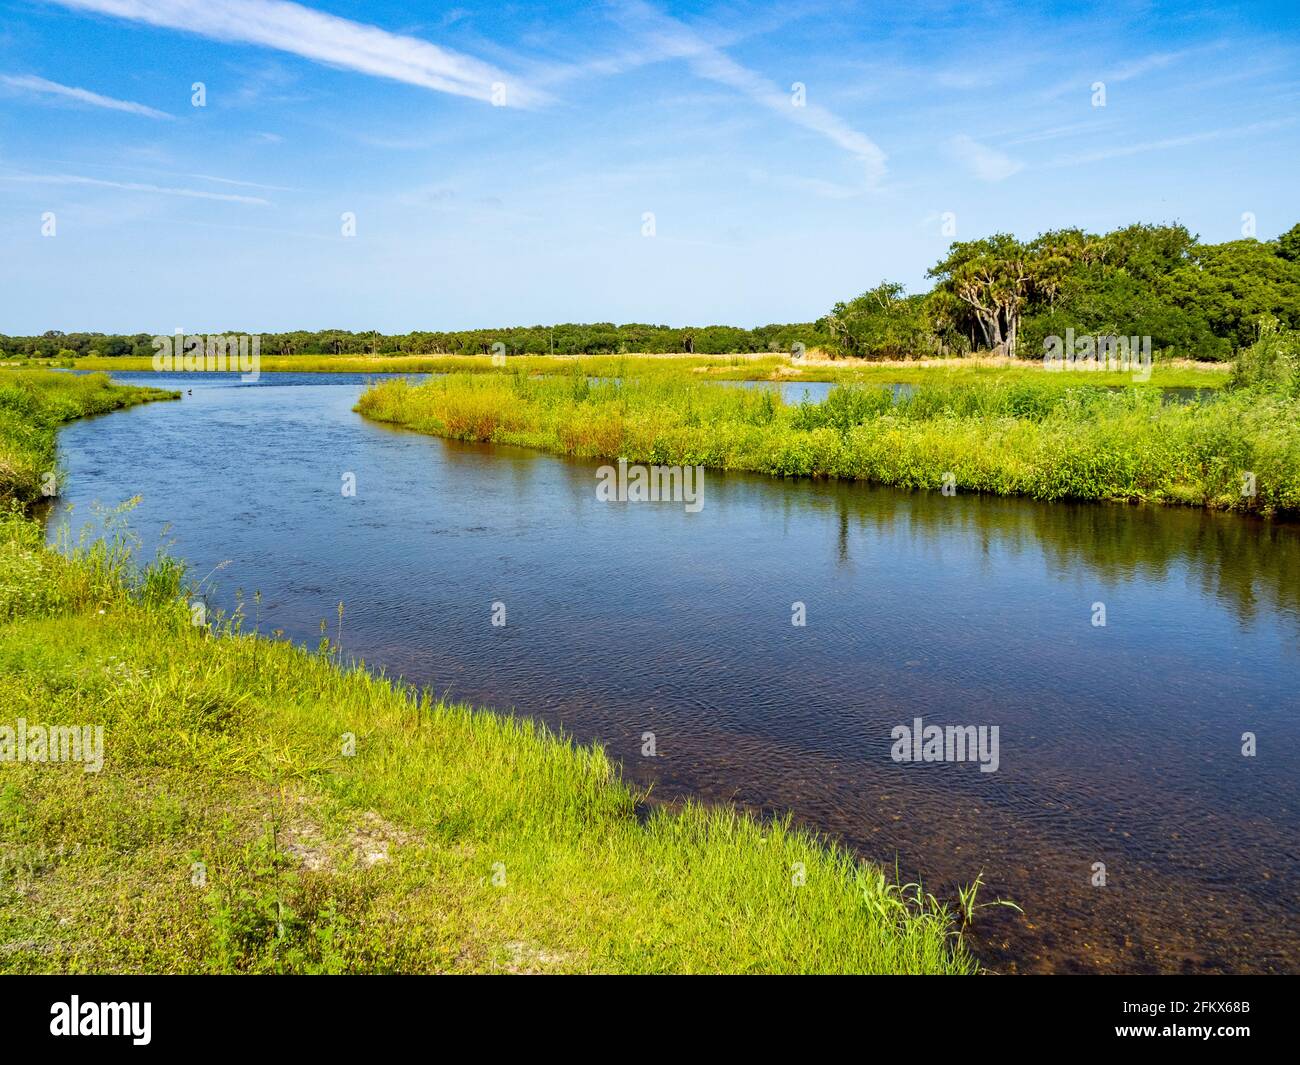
(1118, 744)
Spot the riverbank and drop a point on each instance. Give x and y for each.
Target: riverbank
(33, 404)
(261, 807)
(1041, 439)
(740, 367)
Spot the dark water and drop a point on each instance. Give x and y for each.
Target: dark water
(1118, 744)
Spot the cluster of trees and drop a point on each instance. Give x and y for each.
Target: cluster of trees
(1003, 295)
(600, 338)
(996, 294)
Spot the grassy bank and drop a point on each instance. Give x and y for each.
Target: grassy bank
(266, 808)
(719, 368)
(1041, 438)
(33, 403)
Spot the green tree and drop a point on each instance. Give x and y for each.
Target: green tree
(994, 278)
(881, 323)
(1288, 244)
(1233, 286)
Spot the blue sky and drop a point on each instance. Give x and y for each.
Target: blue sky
(471, 213)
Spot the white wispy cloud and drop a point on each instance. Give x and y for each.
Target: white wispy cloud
(156, 172)
(662, 37)
(983, 162)
(325, 38)
(1012, 139)
(243, 184)
(1135, 68)
(1119, 151)
(132, 186)
(31, 83)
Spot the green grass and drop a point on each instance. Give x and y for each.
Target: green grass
(234, 827)
(1163, 375)
(1044, 437)
(33, 403)
(715, 368)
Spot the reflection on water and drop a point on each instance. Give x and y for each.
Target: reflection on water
(1119, 744)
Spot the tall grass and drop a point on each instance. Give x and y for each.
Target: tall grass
(1271, 364)
(1042, 438)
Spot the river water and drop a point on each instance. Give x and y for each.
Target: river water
(1118, 744)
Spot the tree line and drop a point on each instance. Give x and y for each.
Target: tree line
(996, 294)
(1003, 295)
(598, 338)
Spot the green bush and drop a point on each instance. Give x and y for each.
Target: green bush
(1271, 364)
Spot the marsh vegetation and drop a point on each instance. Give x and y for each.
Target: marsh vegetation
(1041, 436)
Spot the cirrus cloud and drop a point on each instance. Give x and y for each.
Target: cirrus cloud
(31, 83)
(329, 39)
(983, 162)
